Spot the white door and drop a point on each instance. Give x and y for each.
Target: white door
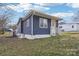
(53, 28)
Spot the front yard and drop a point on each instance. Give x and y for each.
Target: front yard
(60, 45)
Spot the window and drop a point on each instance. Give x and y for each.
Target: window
(43, 23)
(60, 26)
(56, 23)
(62, 30)
(27, 23)
(72, 26)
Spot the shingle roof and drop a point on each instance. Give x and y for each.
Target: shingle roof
(34, 12)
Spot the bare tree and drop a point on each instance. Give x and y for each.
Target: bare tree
(5, 18)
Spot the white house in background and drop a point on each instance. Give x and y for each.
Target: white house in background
(68, 27)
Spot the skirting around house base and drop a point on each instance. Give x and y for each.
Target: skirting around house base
(33, 36)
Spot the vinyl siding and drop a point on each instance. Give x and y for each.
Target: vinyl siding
(68, 27)
(18, 30)
(27, 30)
(37, 30)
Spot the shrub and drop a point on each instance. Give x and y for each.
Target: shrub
(2, 31)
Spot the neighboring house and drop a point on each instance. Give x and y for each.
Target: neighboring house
(8, 30)
(37, 25)
(68, 27)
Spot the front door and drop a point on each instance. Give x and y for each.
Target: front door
(53, 28)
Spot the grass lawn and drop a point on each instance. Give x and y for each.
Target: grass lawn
(60, 45)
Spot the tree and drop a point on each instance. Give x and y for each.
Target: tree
(5, 18)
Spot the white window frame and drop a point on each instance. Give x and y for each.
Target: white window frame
(27, 23)
(44, 24)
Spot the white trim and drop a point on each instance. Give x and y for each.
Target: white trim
(41, 36)
(32, 25)
(33, 36)
(19, 35)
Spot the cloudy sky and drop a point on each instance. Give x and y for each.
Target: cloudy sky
(63, 10)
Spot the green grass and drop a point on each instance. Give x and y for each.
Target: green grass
(64, 45)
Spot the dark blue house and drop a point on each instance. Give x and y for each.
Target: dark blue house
(37, 25)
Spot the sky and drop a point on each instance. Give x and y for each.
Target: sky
(63, 10)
